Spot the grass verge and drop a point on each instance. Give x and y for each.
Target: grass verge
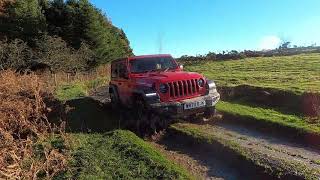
(269, 116)
(119, 155)
(77, 89)
(275, 166)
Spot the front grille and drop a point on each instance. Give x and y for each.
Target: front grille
(183, 88)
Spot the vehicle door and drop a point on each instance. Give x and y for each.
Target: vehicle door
(123, 81)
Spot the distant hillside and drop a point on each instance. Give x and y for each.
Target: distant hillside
(292, 51)
(66, 35)
(234, 55)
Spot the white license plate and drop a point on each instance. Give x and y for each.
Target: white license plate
(193, 105)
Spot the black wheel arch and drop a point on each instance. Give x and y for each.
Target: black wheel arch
(114, 90)
(141, 93)
(138, 94)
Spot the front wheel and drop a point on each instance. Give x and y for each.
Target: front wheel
(140, 116)
(210, 112)
(148, 122)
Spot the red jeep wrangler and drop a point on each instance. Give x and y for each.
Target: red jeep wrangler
(156, 83)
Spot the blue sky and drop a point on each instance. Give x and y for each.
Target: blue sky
(192, 27)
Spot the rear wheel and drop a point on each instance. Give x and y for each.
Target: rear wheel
(114, 98)
(115, 106)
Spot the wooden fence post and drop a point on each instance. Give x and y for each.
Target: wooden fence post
(55, 79)
(68, 77)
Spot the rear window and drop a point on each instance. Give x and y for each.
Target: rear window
(114, 70)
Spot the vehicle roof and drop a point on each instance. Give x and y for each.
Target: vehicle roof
(142, 56)
(149, 56)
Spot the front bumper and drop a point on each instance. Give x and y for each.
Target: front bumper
(177, 109)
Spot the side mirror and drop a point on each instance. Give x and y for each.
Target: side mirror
(181, 66)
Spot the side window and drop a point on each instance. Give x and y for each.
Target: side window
(123, 71)
(114, 70)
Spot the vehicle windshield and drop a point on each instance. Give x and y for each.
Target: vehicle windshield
(152, 64)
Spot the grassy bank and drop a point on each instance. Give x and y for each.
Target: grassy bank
(119, 155)
(279, 167)
(78, 89)
(269, 116)
(297, 73)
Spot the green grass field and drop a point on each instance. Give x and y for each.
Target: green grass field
(297, 73)
(119, 155)
(269, 116)
(77, 89)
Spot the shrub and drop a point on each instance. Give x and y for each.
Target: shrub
(15, 54)
(55, 52)
(25, 133)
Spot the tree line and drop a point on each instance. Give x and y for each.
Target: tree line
(71, 35)
(282, 50)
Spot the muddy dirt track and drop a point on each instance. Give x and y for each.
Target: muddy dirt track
(101, 94)
(204, 162)
(269, 144)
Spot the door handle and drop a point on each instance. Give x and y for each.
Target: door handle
(119, 83)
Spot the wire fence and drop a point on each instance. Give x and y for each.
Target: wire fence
(56, 79)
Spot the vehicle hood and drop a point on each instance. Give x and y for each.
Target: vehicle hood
(168, 76)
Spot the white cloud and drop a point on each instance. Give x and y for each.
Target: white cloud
(269, 42)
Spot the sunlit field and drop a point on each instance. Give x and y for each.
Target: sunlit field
(297, 73)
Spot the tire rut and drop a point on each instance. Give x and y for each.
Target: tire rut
(281, 147)
(203, 161)
(101, 94)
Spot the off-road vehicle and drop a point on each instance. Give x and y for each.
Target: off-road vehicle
(155, 86)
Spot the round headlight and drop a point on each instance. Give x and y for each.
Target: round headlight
(201, 82)
(163, 88)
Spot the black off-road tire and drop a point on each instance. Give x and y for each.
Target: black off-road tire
(118, 109)
(210, 112)
(148, 122)
(159, 122)
(141, 115)
(115, 100)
